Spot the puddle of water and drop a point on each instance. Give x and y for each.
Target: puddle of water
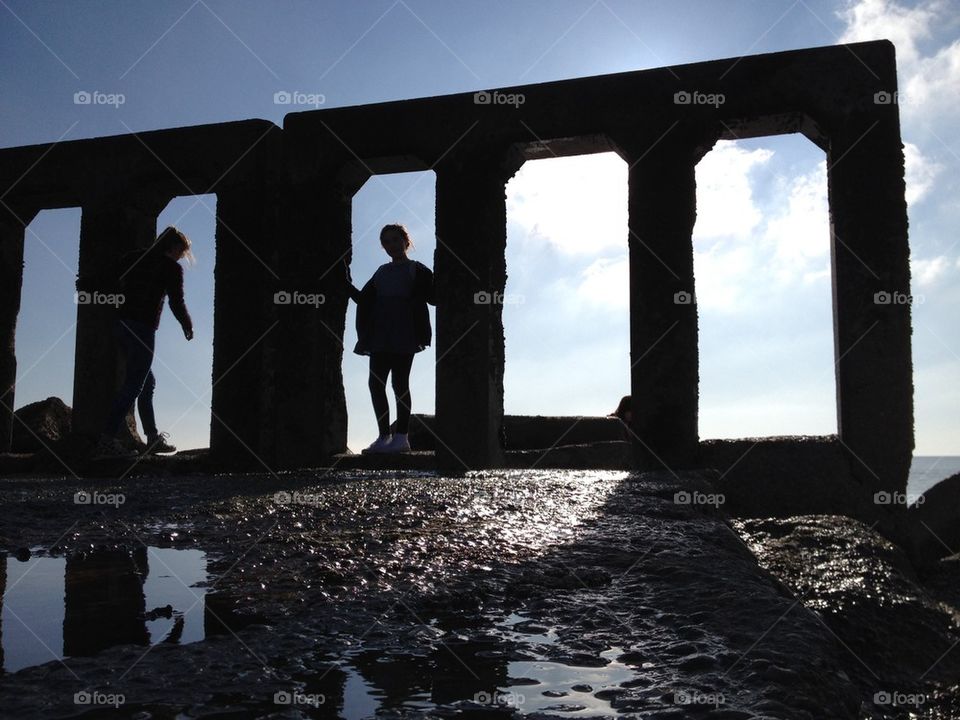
(555, 689)
(526, 634)
(558, 680)
(359, 697)
(55, 607)
(480, 671)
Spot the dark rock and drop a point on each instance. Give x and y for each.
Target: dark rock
(46, 427)
(565, 708)
(934, 521)
(865, 591)
(41, 425)
(697, 663)
(512, 681)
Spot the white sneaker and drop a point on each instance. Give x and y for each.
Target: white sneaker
(378, 446)
(398, 443)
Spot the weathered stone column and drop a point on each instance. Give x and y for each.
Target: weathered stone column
(871, 291)
(664, 378)
(311, 415)
(470, 267)
(109, 227)
(12, 229)
(3, 592)
(241, 391)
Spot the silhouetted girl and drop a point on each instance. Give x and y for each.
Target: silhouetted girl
(393, 324)
(148, 276)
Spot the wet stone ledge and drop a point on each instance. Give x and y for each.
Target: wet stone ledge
(510, 593)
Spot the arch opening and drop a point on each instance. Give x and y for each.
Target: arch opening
(763, 290)
(408, 198)
(566, 301)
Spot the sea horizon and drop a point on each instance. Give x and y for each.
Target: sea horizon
(928, 470)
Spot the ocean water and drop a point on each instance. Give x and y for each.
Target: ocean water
(927, 470)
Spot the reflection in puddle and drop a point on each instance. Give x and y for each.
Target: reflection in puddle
(359, 697)
(56, 607)
(569, 689)
(572, 688)
(479, 672)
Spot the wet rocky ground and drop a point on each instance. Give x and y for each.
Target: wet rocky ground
(515, 593)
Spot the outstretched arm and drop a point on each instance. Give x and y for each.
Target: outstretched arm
(426, 283)
(352, 291)
(177, 304)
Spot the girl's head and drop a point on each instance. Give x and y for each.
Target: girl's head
(624, 410)
(395, 240)
(174, 244)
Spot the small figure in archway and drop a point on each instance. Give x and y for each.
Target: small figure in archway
(393, 324)
(624, 412)
(147, 277)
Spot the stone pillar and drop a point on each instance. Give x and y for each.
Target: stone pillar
(664, 379)
(109, 227)
(470, 267)
(311, 414)
(3, 593)
(12, 229)
(243, 326)
(871, 292)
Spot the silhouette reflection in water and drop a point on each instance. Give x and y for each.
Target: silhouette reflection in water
(104, 596)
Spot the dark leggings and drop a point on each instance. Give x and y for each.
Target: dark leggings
(136, 341)
(398, 365)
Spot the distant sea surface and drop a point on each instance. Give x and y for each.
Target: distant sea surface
(927, 470)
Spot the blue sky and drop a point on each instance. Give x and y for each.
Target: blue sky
(761, 240)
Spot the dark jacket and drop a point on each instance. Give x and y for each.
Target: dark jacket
(422, 294)
(146, 280)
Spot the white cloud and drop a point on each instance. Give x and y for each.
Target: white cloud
(725, 204)
(920, 172)
(578, 205)
(606, 282)
(763, 248)
(886, 20)
(800, 235)
(726, 275)
(933, 84)
(929, 83)
(926, 272)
